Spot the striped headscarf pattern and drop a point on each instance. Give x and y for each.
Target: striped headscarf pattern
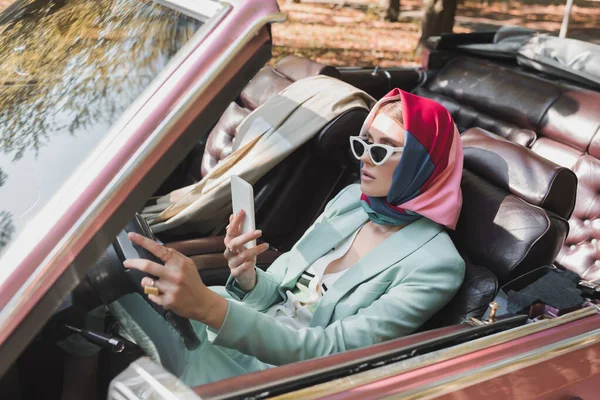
(426, 182)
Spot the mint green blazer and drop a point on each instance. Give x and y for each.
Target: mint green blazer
(387, 294)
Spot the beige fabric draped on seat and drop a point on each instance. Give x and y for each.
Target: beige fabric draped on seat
(266, 137)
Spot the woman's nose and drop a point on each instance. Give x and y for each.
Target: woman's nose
(366, 158)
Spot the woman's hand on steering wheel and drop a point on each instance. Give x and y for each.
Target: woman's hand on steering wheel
(241, 260)
(180, 288)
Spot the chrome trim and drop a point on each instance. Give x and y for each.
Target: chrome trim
(202, 10)
(387, 74)
(502, 367)
(146, 379)
(64, 246)
(208, 24)
(389, 78)
(363, 378)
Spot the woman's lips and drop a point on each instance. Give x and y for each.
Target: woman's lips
(365, 175)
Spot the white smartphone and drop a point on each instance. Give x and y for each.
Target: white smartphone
(242, 198)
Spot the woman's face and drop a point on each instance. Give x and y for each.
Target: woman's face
(376, 180)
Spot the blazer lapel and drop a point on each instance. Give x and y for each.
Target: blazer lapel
(325, 236)
(390, 251)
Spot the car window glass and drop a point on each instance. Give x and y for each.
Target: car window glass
(68, 70)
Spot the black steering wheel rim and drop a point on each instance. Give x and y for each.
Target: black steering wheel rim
(111, 280)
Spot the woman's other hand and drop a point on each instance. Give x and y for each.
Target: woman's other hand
(242, 261)
(179, 285)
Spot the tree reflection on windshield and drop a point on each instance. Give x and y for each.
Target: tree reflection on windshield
(7, 227)
(68, 71)
(64, 67)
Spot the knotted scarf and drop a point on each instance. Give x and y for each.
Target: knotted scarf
(426, 182)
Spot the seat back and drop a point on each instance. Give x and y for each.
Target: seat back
(513, 219)
(515, 205)
(269, 81)
(289, 197)
(556, 120)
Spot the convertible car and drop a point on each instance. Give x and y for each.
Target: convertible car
(108, 108)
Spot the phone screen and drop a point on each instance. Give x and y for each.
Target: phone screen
(242, 198)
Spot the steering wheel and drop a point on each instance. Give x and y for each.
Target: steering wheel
(111, 280)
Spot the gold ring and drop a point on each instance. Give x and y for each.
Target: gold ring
(151, 290)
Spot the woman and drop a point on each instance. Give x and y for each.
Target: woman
(375, 266)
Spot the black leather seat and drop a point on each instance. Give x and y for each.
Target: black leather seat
(557, 120)
(514, 219)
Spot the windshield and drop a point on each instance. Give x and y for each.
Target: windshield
(68, 70)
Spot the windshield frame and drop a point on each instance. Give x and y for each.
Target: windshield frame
(210, 18)
(17, 252)
(202, 10)
(145, 148)
(46, 248)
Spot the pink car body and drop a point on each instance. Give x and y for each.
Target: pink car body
(555, 358)
(32, 265)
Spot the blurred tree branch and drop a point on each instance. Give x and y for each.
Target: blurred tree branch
(438, 17)
(392, 9)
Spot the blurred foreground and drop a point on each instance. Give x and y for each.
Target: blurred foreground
(356, 35)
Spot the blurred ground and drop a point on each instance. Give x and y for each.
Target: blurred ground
(356, 35)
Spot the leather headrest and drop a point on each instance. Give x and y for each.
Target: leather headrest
(265, 84)
(520, 171)
(502, 232)
(296, 68)
(271, 80)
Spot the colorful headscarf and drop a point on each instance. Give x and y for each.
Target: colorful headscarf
(426, 182)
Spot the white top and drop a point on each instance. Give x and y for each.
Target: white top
(297, 310)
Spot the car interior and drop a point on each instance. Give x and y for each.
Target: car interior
(530, 201)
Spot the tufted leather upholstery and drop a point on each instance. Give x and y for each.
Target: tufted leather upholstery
(556, 120)
(520, 171)
(265, 84)
(220, 141)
